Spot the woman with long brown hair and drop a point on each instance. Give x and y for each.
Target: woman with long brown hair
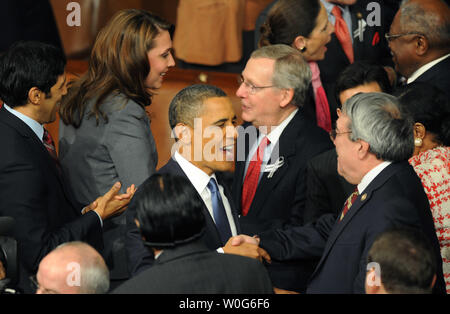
(105, 132)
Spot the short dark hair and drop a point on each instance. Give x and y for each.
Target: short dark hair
(29, 64)
(430, 106)
(360, 73)
(169, 211)
(407, 264)
(288, 19)
(188, 103)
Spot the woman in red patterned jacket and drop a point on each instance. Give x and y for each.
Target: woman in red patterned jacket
(430, 110)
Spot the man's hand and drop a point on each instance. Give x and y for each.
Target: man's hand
(246, 246)
(2, 271)
(282, 291)
(111, 203)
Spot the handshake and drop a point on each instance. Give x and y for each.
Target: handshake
(246, 246)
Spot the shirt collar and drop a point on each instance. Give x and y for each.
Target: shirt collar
(275, 134)
(425, 68)
(371, 175)
(198, 177)
(37, 128)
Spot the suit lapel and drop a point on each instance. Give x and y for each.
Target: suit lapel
(359, 203)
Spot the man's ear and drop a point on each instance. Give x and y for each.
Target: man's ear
(287, 96)
(421, 45)
(363, 149)
(34, 95)
(183, 133)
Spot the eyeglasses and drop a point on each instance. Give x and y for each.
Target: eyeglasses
(334, 133)
(390, 37)
(252, 88)
(35, 285)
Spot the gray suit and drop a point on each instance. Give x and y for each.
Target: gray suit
(94, 156)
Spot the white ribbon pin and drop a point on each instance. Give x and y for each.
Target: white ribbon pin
(274, 167)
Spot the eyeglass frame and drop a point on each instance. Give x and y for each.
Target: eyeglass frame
(253, 89)
(333, 133)
(390, 37)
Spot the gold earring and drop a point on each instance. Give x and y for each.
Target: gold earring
(418, 141)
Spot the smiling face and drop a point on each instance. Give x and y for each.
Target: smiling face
(49, 104)
(316, 42)
(160, 59)
(402, 49)
(217, 135)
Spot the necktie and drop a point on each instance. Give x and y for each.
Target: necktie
(322, 108)
(220, 216)
(349, 202)
(252, 176)
(50, 145)
(342, 34)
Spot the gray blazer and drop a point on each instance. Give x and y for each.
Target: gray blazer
(94, 156)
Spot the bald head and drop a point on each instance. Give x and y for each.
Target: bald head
(73, 268)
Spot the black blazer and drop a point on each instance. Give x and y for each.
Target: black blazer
(280, 201)
(394, 198)
(194, 268)
(140, 258)
(33, 192)
(326, 190)
(438, 75)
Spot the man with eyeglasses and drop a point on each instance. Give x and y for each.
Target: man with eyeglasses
(373, 139)
(273, 147)
(420, 42)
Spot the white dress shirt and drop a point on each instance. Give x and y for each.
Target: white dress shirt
(425, 68)
(273, 137)
(200, 180)
(371, 175)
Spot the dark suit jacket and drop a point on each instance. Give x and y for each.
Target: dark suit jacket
(280, 200)
(438, 75)
(394, 198)
(193, 268)
(140, 258)
(34, 193)
(326, 190)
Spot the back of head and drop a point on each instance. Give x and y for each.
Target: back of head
(361, 73)
(119, 62)
(290, 70)
(26, 65)
(406, 262)
(169, 211)
(188, 103)
(430, 18)
(288, 19)
(430, 106)
(378, 119)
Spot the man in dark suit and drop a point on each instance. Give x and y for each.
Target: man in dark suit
(274, 146)
(419, 42)
(32, 188)
(373, 140)
(203, 122)
(171, 219)
(326, 190)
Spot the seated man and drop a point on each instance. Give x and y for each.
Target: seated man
(72, 268)
(169, 214)
(400, 261)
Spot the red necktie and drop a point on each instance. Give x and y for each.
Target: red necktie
(349, 202)
(342, 34)
(252, 176)
(50, 145)
(322, 108)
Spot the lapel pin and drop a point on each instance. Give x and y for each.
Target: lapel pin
(363, 197)
(274, 167)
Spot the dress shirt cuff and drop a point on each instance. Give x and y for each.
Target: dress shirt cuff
(220, 250)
